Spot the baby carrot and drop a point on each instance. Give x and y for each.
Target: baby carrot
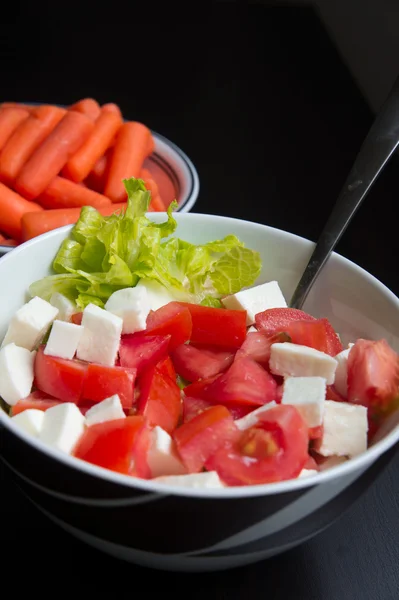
(27, 107)
(80, 164)
(152, 186)
(88, 107)
(157, 204)
(10, 118)
(132, 146)
(49, 158)
(62, 193)
(12, 208)
(52, 219)
(145, 174)
(112, 108)
(26, 138)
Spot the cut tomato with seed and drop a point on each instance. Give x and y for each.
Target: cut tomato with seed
(318, 334)
(203, 435)
(174, 320)
(101, 382)
(275, 449)
(166, 368)
(111, 445)
(274, 320)
(257, 346)
(59, 377)
(37, 400)
(217, 326)
(160, 400)
(193, 362)
(140, 352)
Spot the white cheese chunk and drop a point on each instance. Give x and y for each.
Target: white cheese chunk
(101, 336)
(66, 308)
(16, 373)
(344, 431)
(157, 294)
(109, 409)
(30, 420)
(256, 300)
(251, 418)
(341, 374)
(307, 473)
(63, 339)
(62, 426)
(308, 395)
(294, 360)
(209, 479)
(132, 305)
(30, 323)
(162, 458)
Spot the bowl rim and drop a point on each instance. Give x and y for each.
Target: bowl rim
(359, 462)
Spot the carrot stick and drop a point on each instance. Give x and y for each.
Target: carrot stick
(52, 219)
(145, 174)
(112, 108)
(10, 118)
(27, 107)
(131, 148)
(50, 157)
(80, 164)
(62, 193)
(157, 204)
(88, 107)
(12, 208)
(26, 138)
(152, 186)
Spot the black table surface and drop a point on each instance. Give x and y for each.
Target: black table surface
(260, 100)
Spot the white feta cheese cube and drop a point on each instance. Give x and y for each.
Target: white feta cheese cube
(162, 458)
(66, 308)
(30, 420)
(341, 374)
(30, 323)
(109, 409)
(63, 339)
(101, 336)
(62, 426)
(294, 360)
(256, 300)
(157, 294)
(251, 418)
(308, 395)
(307, 473)
(132, 305)
(209, 479)
(16, 373)
(344, 431)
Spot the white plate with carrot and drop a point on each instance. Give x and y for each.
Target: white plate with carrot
(54, 160)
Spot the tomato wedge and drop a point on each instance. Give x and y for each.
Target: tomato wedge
(332, 394)
(194, 406)
(37, 400)
(173, 320)
(273, 320)
(202, 436)
(111, 444)
(317, 334)
(217, 326)
(257, 346)
(274, 450)
(160, 400)
(140, 352)
(77, 318)
(60, 378)
(165, 366)
(193, 362)
(101, 382)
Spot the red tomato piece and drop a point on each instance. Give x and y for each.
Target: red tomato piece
(203, 435)
(257, 346)
(111, 444)
(373, 374)
(174, 320)
(166, 368)
(194, 406)
(217, 326)
(141, 448)
(160, 400)
(334, 344)
(275, 449)
(140, 352)
(193, 363)
(311, 464)
(332, 394)
(318, 334)
(316, 432)
(60, 378)
(77, 318)
(101, 382)
(273, 320)
(37, 400)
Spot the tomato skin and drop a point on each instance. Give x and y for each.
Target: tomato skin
(257, 346)
(193, 362)
(217, 326)
(291, 436)
(273, 320)
(194, 406)
(311, 464)
(160, 400)
(76, 318)
(174, 320)
(101, 382)
(332, 394)
(111, 445)
(37, 400)
(203, 435)
(140, 352)
(318, 334)
(316, 432)
(165, 366)
(60, 378)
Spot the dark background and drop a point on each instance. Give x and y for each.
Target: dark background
(260, 100)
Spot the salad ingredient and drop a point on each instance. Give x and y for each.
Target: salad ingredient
(341, 373)
(195, 362)
(217, 326)
(208, 479)
(59, 378)
(101, 382)
(132, 306)
(157, 294)
(62, 193)
(98, 175)
(88, 107)
(113, 108)
(162, 456)
(101, 336)
(49, 158)
(63, 426)
(63, 340)
(344, 430)
(316, 334)
(109, 409)
(36, 400)
(27, 137)
(12, 208)
(307, 394)
(30, 420)
(293, 360)
(275, 320)
(257, 346)
(159, 401)
(173, 320)
(30, 323)
(255, 299)
(142, 351)
(16, 372)
(251, 419)
(10, 118)
(66, 308)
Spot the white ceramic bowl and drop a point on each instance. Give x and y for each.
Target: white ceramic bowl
(201, 530)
